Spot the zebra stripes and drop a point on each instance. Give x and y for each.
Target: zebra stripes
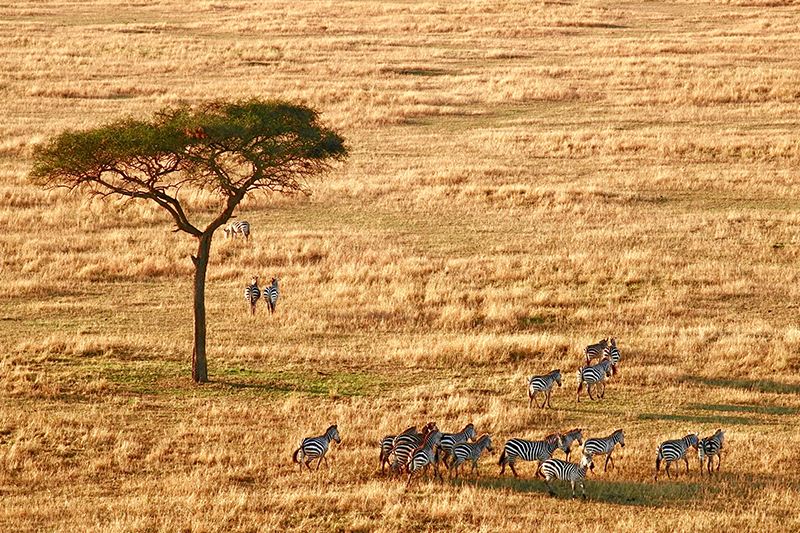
(594, 376)
(241, 228)
(594, 351)
(252, 294)
(604, 446)
(558, 469)
(673, 450)
(527, 450)
(612, 352)
(315, 448)
(448, 440)
(469, 451)
(405, 444)
(708, 448)
(271, 295)
(543, 384)
(567, 439)
(422, 457)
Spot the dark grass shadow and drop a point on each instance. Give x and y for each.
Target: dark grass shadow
(746, 384)
(760, 409)
(713, 420)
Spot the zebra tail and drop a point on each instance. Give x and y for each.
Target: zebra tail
(295, 459)
(502, 457)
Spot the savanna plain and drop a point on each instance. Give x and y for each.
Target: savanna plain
(524, 179)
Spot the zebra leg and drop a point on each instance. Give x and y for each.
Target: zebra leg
(589, 390)
(548, 400)
(580, 386)
(687, 466)
(572, 484)
(601, 394)
(511, 464)
(719, 461)
(583, 489)
(549, 487)
(308, 463)
(658, 465)
(608, 458)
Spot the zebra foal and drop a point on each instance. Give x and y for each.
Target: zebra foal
(543, 384)
(674, 450)
(464, 451)
(604, 446)
(315, 448)
(252, 294)
(240, 228)
(271, 295)
(448, 440)
(567, 439)
(708, 448)
(558, 469)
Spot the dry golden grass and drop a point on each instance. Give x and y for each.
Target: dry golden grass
(525, 178)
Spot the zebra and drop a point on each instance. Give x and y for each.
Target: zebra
(674, 450)
(543, 384)
(423, 456)
(252, 294)
(604, 446)
(405, 444)
(594, 351)
(463, 451)
(315, 447)
(612, 352)
(709, 447)
(567, 439)
(271, 295)
(387, 443)
(448, 440)
(233, 228)
(595, 375)
(527, 450)
(556, 468)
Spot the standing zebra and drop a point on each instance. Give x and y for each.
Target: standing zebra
(463, 451)
(422, 457)
(252, 294)
(387, 444)
(556, 468)
(709, 447)
(241, 227)
(612, 352)
(448, 440)
(674, 450)
(527, 450)
(567, 439)
(315, 447)
(604, 446)
(271, 295)
(594, 351)
(595, 376)
(543, 384)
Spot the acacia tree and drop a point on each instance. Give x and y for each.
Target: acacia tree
(230, 149)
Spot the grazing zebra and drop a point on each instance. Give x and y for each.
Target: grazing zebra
(405, 444)
(315, 447)
(387, 443)
(242, 227)
(594, 351)
(422, 457)
(271, 295)
(463, 451)
(556, 468)
(543, 384)
(595, 376)
(539, 450)
(604, 446)
(674, 450)
(709, 447)
(568, 438)
(448, 440)
(252, 294)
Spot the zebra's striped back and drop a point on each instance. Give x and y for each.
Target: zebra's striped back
(673, 450)
(406, 443)
(315, 447)
(709, 447)
(527, 450)
(594, 375)
(604, 446)
(594, 351)
(240, 227)
(558, 469)
(448, 440)
(271, 295)
(611, 352)
(543, 384)
(252, 294)
(470, 451)
(423, 456)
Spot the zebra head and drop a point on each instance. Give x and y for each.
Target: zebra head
(254, 281)
(557, 376)
(692, 440)
(487, 439)
(575, 434)
(586, 462)
(469, 432)
(619, 437)
(333, 434)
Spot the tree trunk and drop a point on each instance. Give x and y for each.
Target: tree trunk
(199, 365)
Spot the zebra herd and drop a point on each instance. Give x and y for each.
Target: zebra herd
(252, 293)
(413, 452)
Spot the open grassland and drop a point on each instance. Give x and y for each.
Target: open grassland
(525, 178)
